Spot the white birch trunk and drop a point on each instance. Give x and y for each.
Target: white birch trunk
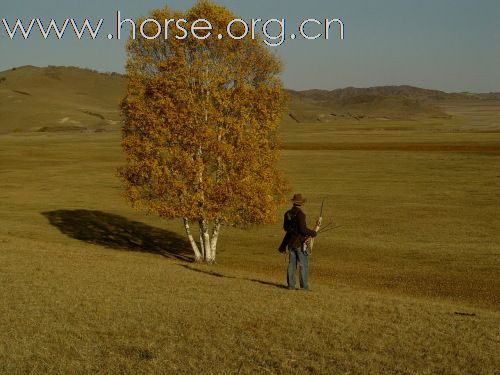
(209, 257)
(215, 238)
(197, 255)
(202, 245)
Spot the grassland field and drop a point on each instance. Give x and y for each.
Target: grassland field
(408, 285)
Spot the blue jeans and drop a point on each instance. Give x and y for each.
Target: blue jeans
(297, 256)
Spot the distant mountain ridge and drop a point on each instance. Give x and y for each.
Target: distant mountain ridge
(382, 102)
(402, 90)
(75, 99)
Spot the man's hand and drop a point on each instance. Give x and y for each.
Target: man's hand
(318, 225)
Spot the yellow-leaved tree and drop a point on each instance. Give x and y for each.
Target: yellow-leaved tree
(200, 132)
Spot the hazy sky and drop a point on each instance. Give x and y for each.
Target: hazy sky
(451, 45)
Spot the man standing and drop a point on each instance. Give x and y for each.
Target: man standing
(295, 241)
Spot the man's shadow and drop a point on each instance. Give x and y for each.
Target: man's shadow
(117, 232)
(217, 274)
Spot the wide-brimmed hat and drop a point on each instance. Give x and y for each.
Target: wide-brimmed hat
(298, 199)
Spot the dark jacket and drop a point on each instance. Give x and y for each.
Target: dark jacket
(294, 224)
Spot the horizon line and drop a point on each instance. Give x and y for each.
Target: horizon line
(286, 88)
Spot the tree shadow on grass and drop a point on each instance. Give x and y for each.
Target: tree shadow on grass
(117, 232)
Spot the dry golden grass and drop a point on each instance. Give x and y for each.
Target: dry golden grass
(84, 309)
(87, 285)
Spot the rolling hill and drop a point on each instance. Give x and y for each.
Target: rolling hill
(75, 99)
(58, 98)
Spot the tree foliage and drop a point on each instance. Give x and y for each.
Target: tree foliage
(200, 132)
